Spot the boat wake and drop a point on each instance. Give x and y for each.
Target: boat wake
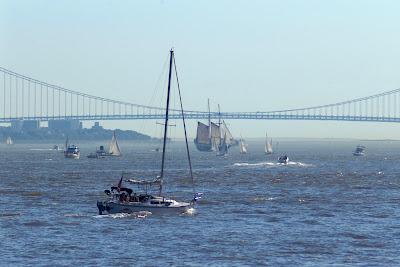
(135, 215)
(191, 211)
(272, 164)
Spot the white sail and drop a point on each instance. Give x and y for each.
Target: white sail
(9, 141)
(114, 148)
(225, 131)
(268, 145)
(243, 147)
(215, 135)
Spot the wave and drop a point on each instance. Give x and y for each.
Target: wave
(139, 215)
(272, 164)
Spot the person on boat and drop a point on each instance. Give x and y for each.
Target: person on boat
(122, 197)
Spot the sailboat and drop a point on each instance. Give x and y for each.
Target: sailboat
(123, 199)
(268, 145)
(9, 141)
(114, 147)
(242, 146)
(102, 153)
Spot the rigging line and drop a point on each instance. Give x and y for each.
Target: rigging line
(184, 127)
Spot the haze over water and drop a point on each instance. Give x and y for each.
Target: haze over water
(326, 207)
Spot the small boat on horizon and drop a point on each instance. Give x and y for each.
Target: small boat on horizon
(359, 151)
(56, 147)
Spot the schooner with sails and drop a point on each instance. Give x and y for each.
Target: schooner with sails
(214, 136)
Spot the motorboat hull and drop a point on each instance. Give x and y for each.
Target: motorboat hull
(72, 156)
(111, 207)
(283, 160)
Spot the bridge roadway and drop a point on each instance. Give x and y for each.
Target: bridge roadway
(193, 115)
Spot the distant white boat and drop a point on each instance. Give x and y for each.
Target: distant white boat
(360, 151)
(268, 145)
(9, 141)
(242, 146)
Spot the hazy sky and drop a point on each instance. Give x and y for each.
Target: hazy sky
(245, 55)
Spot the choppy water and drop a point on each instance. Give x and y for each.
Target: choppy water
(327, 207)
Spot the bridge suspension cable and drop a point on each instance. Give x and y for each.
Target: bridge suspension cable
(25, 98)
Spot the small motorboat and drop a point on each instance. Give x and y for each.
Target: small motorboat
(72, 152)
(360, 151)
(283, 159)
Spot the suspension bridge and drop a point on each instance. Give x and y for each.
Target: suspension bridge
(26, 98)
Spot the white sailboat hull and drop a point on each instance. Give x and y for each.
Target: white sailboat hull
(111, 207)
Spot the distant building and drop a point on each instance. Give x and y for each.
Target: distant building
(31, 125)
(16, 125)
(97, 126)
(65, 125)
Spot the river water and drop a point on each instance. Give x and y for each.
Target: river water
(326, 207)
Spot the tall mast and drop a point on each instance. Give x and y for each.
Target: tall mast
(209, 119)
(166, 119)
(209, 113)
(219, 116)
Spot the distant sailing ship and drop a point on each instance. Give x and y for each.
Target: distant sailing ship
(113, 150)
(242, 146)
(214, 136)
(9, 141)
(268, 145)
(204, 133)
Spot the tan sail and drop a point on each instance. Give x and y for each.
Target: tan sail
(114, 147)
(203, 132)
